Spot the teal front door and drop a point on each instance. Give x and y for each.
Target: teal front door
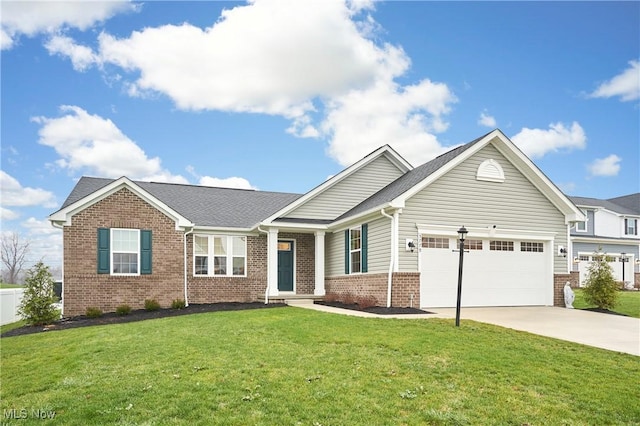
(285, 265)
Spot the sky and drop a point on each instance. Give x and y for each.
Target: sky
(279, 95)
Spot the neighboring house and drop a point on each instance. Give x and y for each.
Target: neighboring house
(379, 228)
(611, 226)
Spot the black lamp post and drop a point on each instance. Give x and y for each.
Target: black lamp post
(623, 259)
(462, 232)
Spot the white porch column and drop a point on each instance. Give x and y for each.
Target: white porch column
(272, 262)
(319, 264)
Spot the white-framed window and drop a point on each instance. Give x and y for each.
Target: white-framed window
(355, 250)
(501, 245)
(631, 226)
(435, 242)
(220, 255)
(532, 247)
(125, 251)
(582, 226)
(470, 244)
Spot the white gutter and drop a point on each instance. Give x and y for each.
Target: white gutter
(186, 297)
(392, 260)
(61, 227)
(266, 291)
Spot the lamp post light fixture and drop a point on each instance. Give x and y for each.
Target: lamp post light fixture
(623, 259)
(462, 232)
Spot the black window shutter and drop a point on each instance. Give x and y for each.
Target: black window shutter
(347, 243)
(364, 244)
(145, 252)
(103, 251)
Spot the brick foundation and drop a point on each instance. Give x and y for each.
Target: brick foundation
(636, 282)
(404, 284)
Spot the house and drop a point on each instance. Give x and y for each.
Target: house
(611, 226)
(380, 228)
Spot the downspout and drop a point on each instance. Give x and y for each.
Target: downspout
(186, 297)
(61, 227)
(393, 255)
(266, 290)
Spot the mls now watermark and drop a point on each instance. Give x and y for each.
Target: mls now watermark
(23, 413)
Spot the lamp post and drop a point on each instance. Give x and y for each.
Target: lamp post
(461, 233)
(623, 259)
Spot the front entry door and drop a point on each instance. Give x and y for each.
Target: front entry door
(285, 265)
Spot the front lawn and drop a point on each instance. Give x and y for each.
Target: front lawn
(628, 302)
(290, 366)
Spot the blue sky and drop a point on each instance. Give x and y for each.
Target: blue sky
(279, 95)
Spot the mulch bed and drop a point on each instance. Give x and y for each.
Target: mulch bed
(380, 310)
(139, 315)
(603, 311)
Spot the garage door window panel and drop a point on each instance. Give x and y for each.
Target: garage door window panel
(501, 245)
(435, 242)
(531, 247)
(471, 244)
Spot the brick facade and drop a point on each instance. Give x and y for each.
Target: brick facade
(636, 282)
(84, 287)
(404, 284)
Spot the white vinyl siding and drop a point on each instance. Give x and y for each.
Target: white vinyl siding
(334, 254)
(457, 199)
(379, 245)
(349, 192)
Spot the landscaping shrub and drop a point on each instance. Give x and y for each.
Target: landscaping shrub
(348, 298)
(93, 312)
(36, 307)
(331, 297)
(178, 304)
(151, 305)
(601, 289)
(123, 310)
(365, 302)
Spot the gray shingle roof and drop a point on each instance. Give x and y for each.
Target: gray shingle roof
(202, 205)
(407, 181)
(628, 204)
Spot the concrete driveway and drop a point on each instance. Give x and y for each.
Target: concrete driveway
(606, 331)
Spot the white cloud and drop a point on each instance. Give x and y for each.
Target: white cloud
(34, 17)
(6, 214)
(231, 182)
(45, 241)
(325, 71)
(403, 117)
(608, 166)
(81, 57)
(16, 195)
(538, 142)
(487, 120)
(626, 85)
(92, 144)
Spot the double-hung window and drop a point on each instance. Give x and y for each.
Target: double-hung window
(124, 251)
(631, 226)
(355, 256)
(219, 255)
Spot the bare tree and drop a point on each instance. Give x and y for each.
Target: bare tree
(13, 252)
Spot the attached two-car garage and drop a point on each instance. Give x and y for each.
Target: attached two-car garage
(496, 271)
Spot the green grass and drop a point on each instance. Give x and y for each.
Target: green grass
(628, 302)
(4, 285)
(290, 366)
(11, 326)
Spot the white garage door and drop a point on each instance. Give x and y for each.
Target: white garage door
(495, 272)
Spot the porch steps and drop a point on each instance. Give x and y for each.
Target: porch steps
(294, 299)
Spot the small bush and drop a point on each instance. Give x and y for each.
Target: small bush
(36, 307)
(601, 289)
(151, 305)
(123, 310)
(348, 299)
(93, 312)
(331, 297)
(365, 302)
(178, 304)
